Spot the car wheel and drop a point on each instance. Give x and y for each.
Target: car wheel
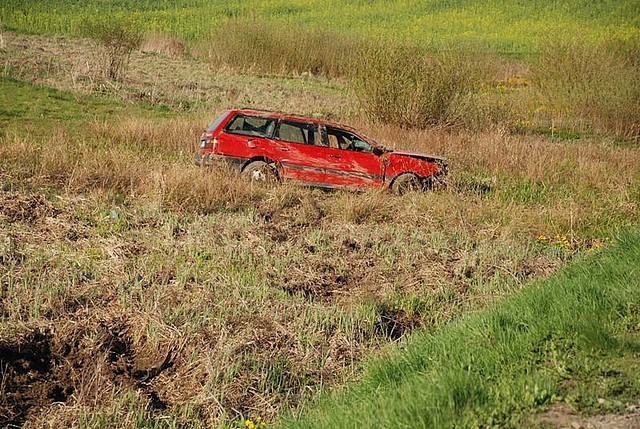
(260, 171)
(406, 182)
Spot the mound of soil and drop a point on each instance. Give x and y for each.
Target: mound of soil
(42, 368)
(16, 207)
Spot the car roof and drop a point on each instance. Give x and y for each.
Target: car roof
(289, 116)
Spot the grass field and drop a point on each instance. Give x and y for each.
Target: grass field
(511, 28)
(531, 66)
(572, 340)
(138, 290)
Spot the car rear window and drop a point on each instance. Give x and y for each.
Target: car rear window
(252, 125)
(215, 124)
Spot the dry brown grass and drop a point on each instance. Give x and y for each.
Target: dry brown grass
(263, 295)
(115, 249)
(259, 46)
(152, 137)
(162, 44)
(183, 84)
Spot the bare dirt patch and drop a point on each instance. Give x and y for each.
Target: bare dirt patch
(17, 207)
(563, 417)
(44, 367)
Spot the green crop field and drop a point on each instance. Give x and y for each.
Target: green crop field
(510, 27)
(139, 290)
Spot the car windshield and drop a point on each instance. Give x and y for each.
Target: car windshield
(344, 139)
(376, 143)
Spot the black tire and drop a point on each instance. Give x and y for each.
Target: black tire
(406, 182)
(260, 171)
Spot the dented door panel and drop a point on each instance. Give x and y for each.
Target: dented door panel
(354, 169)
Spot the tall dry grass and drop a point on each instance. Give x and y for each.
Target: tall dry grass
(260, 46)
(152, 161)
(586, 85)
(171, 46)
(411, 87)
(139, 159)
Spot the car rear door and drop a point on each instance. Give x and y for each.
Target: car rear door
(353, 162)
(300, 152)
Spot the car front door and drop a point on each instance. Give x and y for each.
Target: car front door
(353, 161)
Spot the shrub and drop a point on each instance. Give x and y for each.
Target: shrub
(260, 46)
(171, 46)
(120, 37)
(587, 85)
(403, 85)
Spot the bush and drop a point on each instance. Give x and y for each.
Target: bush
(591, 86)
(121, 37)
(403, 85)
(260, 46)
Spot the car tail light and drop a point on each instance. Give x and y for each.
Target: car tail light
(208, 143)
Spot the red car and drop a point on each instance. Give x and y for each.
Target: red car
(273, 146)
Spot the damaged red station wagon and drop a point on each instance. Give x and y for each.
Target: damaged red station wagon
(272, 146)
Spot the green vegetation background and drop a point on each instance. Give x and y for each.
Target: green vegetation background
(515, 27)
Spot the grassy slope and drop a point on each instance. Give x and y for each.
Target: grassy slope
(510, 27)
(574, 338)
(25, 104)
(136, 235)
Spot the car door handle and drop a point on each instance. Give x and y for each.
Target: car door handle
(335, 156)
(251, 144)
(284, 149)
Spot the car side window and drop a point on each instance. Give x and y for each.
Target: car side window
(341, 139)
(251, 126)
(333, 141)
(298, 132)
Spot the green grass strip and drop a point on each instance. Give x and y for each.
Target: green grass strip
(24, 103)
(574, 338)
